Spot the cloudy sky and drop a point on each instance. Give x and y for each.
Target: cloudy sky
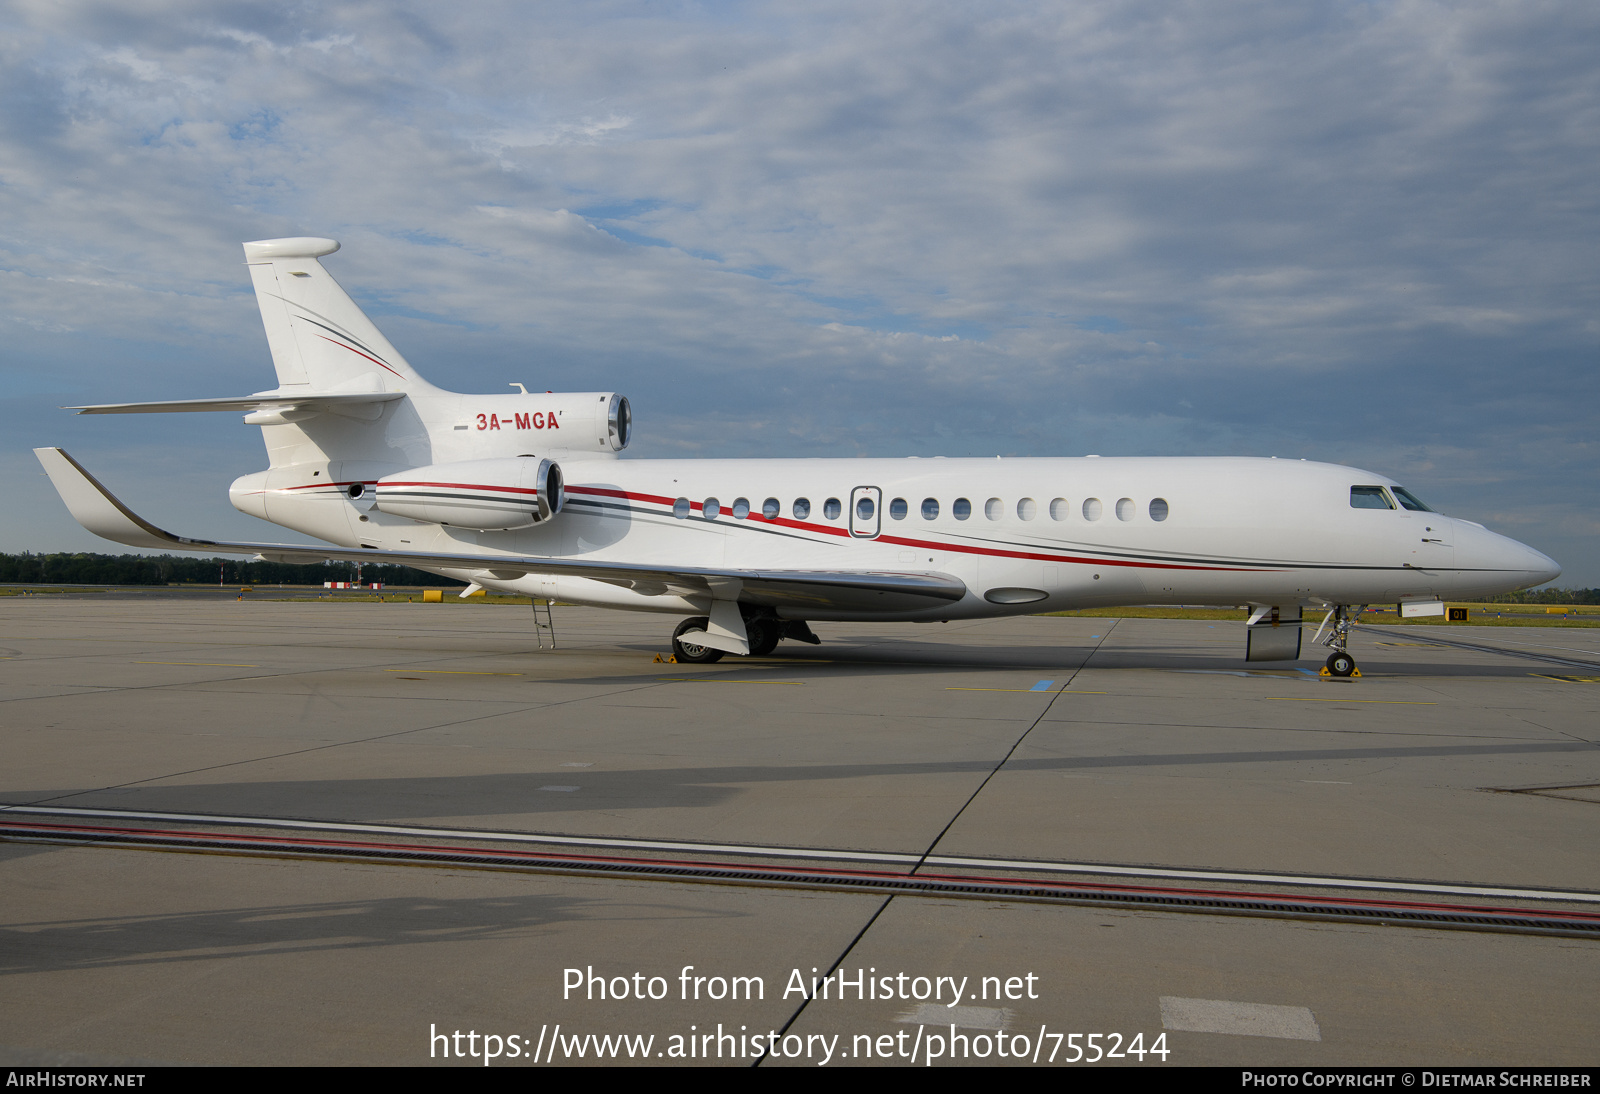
(1356, 232)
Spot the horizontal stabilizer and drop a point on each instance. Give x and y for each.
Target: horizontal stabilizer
(268, 400)
(846, 590)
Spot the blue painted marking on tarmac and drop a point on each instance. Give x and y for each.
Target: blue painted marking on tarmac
(1043, 685)
(1308, 672)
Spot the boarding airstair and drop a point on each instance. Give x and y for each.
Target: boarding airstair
(544, 621)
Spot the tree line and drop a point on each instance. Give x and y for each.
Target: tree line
(92, 569)
(1546, 596)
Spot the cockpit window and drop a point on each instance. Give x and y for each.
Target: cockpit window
(1408, 500)
(1369, 497)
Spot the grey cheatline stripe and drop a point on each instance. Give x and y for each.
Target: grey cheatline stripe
(1396, 885)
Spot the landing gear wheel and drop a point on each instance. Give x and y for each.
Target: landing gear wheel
(1341, 664)
(688, 653)
(764, 635)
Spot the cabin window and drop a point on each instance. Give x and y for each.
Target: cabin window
(1126, 509)
(994, 508)
(711, 508)
(961, 509)
(802, 508)
(741, 508)
(930, 508)
(1027, 509)
(1369, 497)
(864, 508)
(1158, 509)
(1092, 508)
(682, 508)
(831, 508)
(1060, 509)
(898, 509)
(770, 508)
(1408, 500)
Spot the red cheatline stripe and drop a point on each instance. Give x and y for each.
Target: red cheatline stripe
(784, 522)
(319, 485)
(927, 545)
(1065, 558)
(358, 353)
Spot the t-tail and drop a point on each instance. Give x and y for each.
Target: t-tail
(320, 340)
(351, 427)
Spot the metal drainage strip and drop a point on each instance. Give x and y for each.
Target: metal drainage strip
(1269, 905)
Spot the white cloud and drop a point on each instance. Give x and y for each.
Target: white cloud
(996, 228)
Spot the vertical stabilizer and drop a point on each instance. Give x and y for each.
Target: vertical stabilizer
(317, 335)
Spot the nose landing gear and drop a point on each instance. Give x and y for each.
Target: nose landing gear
(1339, 662)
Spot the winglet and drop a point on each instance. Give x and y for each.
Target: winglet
(96, 508)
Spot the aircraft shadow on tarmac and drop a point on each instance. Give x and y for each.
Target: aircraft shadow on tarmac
(502, 795)
(270, 930)
(858, 660)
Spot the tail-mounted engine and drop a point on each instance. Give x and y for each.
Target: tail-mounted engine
(487, 426)
(487, 495)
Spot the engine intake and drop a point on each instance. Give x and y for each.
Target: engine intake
(485, 495)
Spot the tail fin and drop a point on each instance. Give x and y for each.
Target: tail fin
(315, 331)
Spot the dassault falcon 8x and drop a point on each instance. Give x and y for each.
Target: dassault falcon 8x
(524, 493)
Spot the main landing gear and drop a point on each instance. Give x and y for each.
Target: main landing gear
(687, 653)
(763, 632)
(1339, 662)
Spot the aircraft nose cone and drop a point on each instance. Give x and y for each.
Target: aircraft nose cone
(1519, 557)
(1542, 565)
(1491, 563)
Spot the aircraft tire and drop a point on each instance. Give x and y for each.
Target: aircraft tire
(688, 653)
(764, 636)
(1341, 664)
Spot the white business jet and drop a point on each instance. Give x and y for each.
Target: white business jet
(523, 493)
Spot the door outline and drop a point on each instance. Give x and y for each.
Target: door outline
(866, 529)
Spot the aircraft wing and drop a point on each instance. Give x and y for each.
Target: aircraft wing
(98, 510)
(311, 400)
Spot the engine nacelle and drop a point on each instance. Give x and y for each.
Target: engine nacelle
(487, 495)
(490, 426)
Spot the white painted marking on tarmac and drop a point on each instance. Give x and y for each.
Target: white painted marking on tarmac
(560, 789)
(1398, 885)
(1238, 1019)
(937, 1014)
(577, 765)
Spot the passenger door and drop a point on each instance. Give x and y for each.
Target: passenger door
(866, 512)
